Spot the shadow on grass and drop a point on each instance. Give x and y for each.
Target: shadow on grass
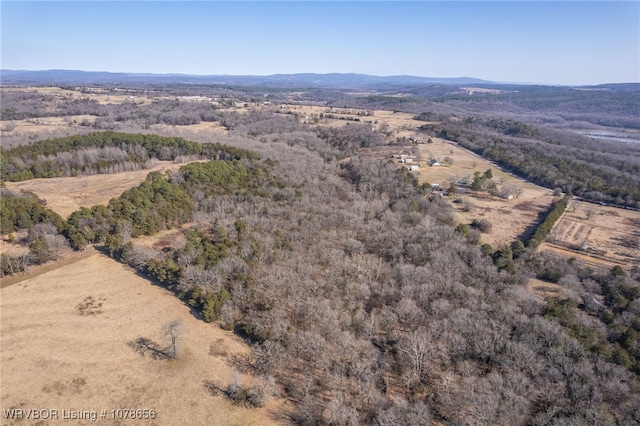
(194, 312)
(145, 346)
(252, 397)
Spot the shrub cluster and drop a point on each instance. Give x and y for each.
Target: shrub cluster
(547, 224)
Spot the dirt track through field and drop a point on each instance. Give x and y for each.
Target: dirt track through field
(36, 271)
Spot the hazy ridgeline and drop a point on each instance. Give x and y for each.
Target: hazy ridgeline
(362, 302)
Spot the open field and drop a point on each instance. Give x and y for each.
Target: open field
(64, 195)
(544, 288)
(209, 127)
(400, 124)
(509, 218)
(50, 127)
(43, 125)
(173, 238)
(67, 257)
(100, 96)
(67, 344)
(597, 234)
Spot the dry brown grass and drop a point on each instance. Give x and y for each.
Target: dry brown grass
(65, 195)
(209, 127)
(510, 218)
(66, 338)
(401, 124)
(101, 96)
(43, 125)
(544, 289)
(170, 238)
(33, 271)
(14, 248)
(614, 231)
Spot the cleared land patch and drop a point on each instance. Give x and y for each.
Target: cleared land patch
(214, 128)
(64, 195)
(544, 288)
(598, 234)
(509, 218)
(55, 354)
(43, 125)
(102, 96)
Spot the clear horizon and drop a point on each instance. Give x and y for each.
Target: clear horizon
(565, 43)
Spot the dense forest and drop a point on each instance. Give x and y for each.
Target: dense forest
(363, 303)
(362, 299)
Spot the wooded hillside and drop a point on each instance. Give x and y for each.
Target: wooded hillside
(362, 299)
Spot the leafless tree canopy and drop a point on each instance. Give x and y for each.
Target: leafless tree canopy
(361, 302)
(172, 332)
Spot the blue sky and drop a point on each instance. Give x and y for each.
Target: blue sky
(565, 42)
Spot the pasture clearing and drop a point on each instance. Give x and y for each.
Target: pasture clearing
(64, 195)
(398, 124)
(101, 96)
(598, 234)
(66, 344)
(169, 238)
(42, 126)
(543, 288)
(14, 248)
(509, 218)
(209, 127)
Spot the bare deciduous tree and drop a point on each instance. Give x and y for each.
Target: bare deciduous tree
(125, 228)
(172, 332)
(590, 211)
(57, 243)
(416, 346)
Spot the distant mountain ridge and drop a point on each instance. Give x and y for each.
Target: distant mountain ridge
(285, 81)
(336, 80)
